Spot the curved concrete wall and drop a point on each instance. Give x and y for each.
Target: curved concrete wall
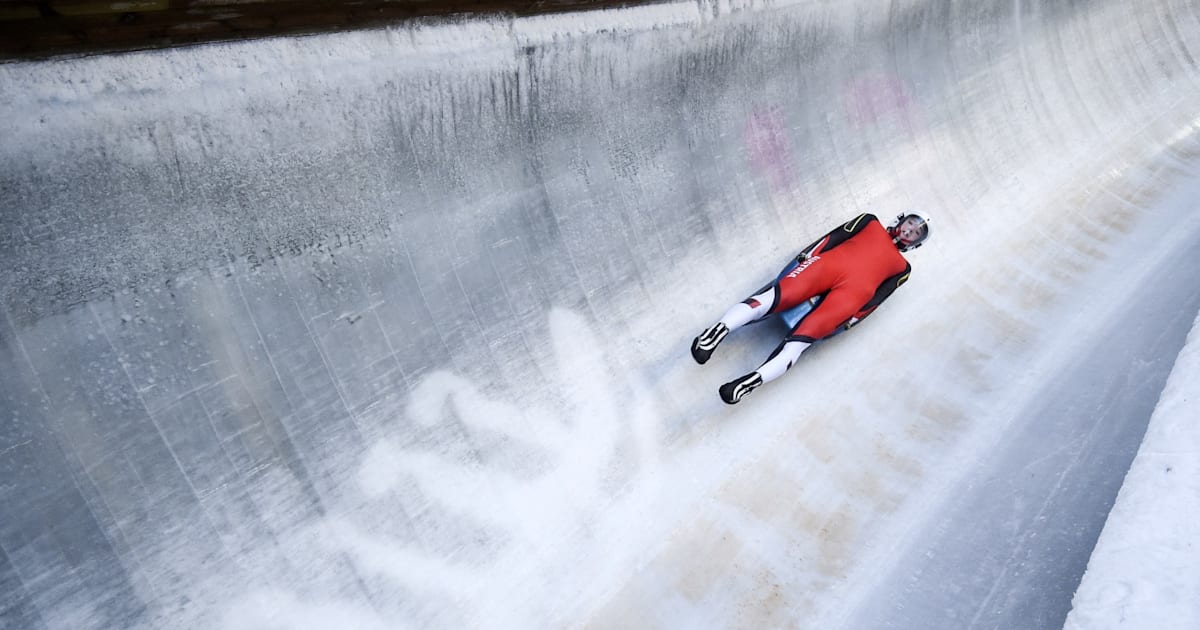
(389, 329)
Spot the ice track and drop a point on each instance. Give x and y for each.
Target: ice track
(389, 329)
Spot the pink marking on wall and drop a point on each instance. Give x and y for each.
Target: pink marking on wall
(768, 146)
(870, 98)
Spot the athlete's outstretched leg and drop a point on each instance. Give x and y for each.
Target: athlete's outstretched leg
(784, 357)
(751, 309)
(835, 308)
(803, 282)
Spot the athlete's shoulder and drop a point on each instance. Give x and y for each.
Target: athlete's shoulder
(859, 222)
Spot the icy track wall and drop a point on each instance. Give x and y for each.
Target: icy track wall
(389, 329)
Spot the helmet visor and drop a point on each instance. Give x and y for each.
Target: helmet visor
(911, 231)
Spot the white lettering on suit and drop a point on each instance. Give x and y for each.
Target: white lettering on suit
(804, 265)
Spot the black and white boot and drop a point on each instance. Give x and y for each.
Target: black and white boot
(734, 390)
(703, 346)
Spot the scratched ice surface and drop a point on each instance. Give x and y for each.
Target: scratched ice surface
(389, 329)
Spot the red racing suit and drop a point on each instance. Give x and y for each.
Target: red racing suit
(856, 267)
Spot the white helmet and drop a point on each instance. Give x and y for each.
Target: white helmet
(909, 231)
